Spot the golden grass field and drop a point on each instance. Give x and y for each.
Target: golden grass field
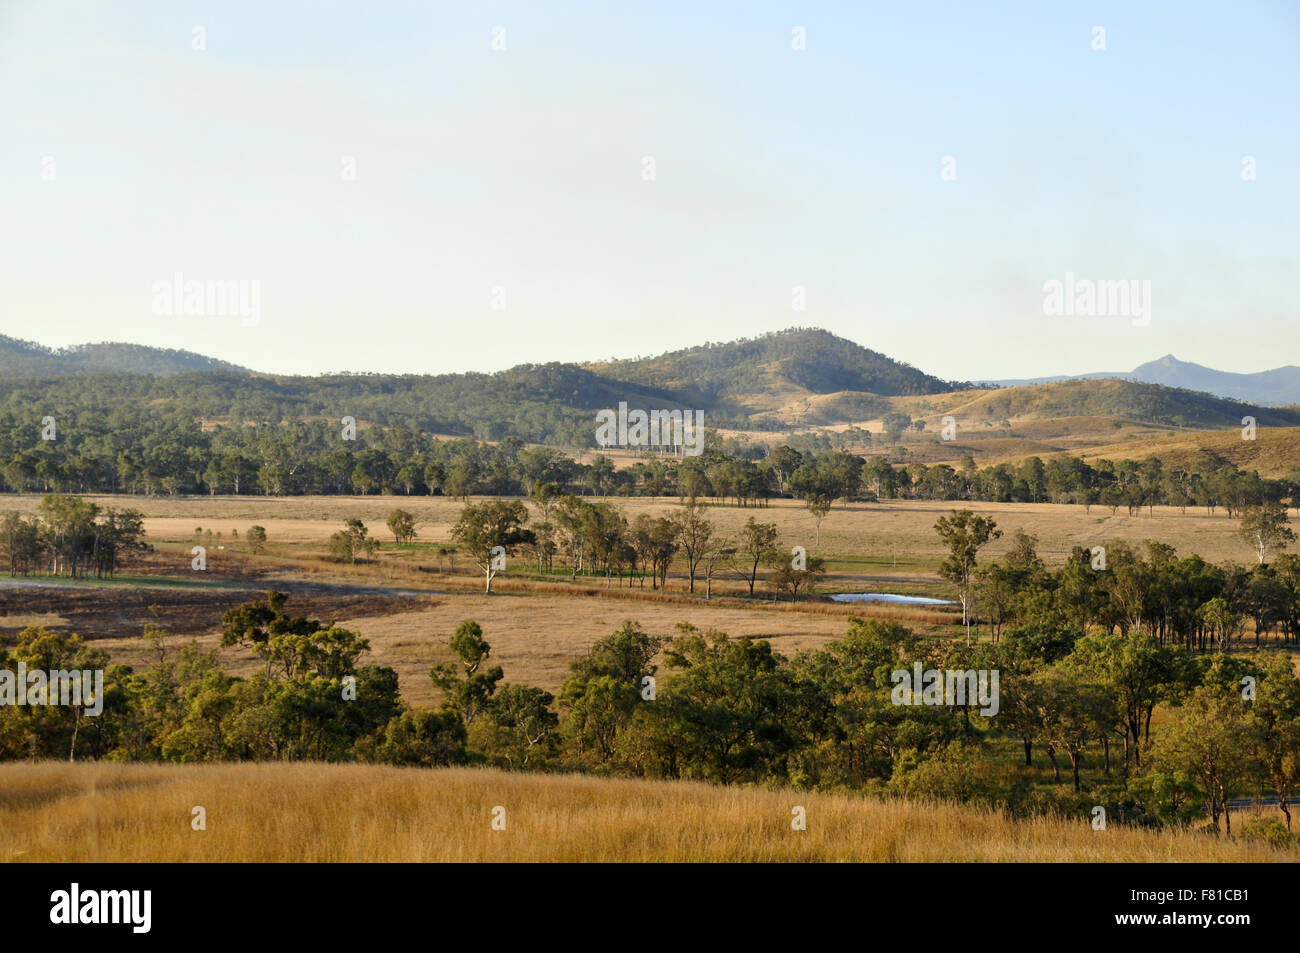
(323, 813)
(871, 531)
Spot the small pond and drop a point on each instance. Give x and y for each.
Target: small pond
(890, 597)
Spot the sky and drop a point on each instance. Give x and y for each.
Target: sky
(433, 188)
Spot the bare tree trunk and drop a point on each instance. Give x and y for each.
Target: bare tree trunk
(1056, 768)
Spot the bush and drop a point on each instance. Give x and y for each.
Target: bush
(950, 774)
(1271, 831)
(419, 738)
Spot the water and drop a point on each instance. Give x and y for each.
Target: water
(891, 597)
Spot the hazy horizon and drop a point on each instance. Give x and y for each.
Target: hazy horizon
(420, 190)
(580, 360)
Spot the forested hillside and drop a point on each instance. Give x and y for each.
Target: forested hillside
(1152, 403)
(28, 359)
(806, 358)
(233, 431)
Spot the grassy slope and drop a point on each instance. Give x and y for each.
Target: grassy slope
(305, 812)
(1097, 418)
(1275, 451)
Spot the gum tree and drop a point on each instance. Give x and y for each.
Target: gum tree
(757, 545)
(483, 527)
(1265, 528)
(964, 533)
(402, 525)
(693, 538)
(1275, 728)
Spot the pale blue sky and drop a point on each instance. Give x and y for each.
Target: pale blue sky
(522, 169)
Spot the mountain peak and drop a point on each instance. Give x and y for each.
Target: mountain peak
(812, 360)
(1278, 387)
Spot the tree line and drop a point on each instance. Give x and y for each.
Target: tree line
(1148, 590)
(597, 539)
(71, 536)
(130, 452)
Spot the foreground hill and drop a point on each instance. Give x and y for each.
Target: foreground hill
(312, 812)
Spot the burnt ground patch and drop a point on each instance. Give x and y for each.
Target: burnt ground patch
(98, 612)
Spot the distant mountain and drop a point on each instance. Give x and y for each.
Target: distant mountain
(1278, 387)
(764, 372)
(1116, 399)
(28, 359)
(789, 380)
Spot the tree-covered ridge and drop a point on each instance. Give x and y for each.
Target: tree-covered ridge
(1150, 403)
(809, 358)
(552, 403)
(189, 434)
(27, 359)
(763, 384)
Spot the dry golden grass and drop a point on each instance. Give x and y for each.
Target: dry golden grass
(533, 638)
(872, 532)
(1274, 452)
(313, 813)
(1010, 424)
(15, 620)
